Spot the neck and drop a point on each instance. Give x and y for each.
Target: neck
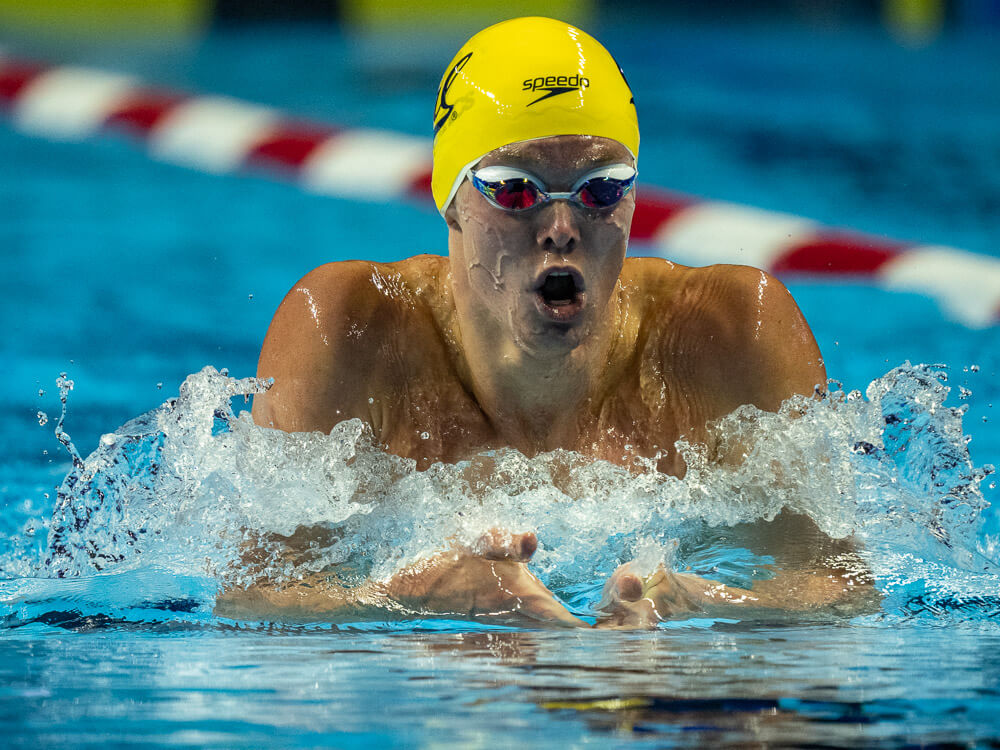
(540, 400)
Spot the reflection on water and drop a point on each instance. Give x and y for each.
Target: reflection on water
(726, 686)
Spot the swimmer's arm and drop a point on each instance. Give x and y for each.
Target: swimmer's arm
(634, 601)
(490, 583)
(768, 350)
(324, 351)
(812, 572)
(775, 357)
(737, 338)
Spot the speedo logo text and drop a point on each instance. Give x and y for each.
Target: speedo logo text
(554, 85)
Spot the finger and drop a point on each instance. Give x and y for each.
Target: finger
(640, 615)
(550, 611)
(629, 587)
(526, 544)
(500, 544)
(538, 602)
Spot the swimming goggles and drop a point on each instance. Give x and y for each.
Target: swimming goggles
(516, 190)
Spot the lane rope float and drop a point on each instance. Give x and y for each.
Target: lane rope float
(220, 134)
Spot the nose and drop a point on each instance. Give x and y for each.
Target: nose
(558, 228)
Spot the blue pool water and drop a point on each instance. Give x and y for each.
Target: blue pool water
(130, 275)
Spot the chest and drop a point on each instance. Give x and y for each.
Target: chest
(642, 416)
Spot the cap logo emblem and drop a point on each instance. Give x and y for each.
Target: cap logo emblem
(443, 110)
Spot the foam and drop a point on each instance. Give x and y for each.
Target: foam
(195, 490)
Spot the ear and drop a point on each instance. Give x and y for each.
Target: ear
(451, 216)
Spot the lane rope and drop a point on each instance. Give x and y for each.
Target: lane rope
(219, 135)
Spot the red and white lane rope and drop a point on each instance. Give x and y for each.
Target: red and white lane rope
(219, 134)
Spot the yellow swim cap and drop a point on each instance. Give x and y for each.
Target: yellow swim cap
(524, 79)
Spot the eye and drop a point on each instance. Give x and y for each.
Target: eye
(601, 192)
(516, 194)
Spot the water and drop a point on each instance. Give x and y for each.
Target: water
(131, 277)
(688, 688)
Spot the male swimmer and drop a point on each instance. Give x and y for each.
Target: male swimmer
(534, 333)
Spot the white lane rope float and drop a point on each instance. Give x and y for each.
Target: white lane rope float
(219, 134)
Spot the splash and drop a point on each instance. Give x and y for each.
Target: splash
(194, 491)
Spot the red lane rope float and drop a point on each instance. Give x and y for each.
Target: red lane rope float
(220, 134)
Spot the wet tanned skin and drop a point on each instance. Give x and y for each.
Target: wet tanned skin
(636, 352)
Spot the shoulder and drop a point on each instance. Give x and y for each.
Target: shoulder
(738, 329)
(346, 298)
(339, 332)
(743, 300)
(365, 285)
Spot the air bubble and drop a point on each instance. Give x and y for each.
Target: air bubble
(43, 419)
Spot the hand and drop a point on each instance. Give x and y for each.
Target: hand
(633, 602)
(488, 582)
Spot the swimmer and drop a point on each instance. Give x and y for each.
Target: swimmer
(535, 333)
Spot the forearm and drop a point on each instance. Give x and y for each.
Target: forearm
(793, 591)
(491, 584)
(316, 599)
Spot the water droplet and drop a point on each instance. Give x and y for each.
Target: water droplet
(371, 400)
(963, 392)
(974, 368)
(43, 418)
(424, 435)
(41, 392)
(985, 420)
(250, 297)
(45, 452)
(992, 485)
(159, 386)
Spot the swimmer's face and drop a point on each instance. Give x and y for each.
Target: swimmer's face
(545, 275)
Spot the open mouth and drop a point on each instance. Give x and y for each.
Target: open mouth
(559, 294)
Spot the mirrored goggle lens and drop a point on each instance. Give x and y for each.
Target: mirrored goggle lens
(515, 194)
(601, 192)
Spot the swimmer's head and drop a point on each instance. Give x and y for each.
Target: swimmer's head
(520, 80)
